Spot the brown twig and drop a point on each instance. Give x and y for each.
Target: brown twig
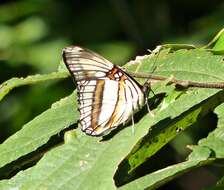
(182, 83)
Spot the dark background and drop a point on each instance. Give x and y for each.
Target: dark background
(33, 33)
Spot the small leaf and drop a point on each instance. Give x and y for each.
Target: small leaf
(219, 46)
(199, 153)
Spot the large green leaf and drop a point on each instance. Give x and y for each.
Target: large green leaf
(79, 165)
(195, 65)
(90, 164)
(166, 130)
(209, 150)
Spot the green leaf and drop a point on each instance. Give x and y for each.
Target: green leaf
(183, 65)
(215, 139)
(168, 128)
(62, 168)
(199, 153)
(216, 43)
(39, 130)
(195, 65)
(58, 168)
(160, 177)
(219, 46)
(200, 156)
(12, 83)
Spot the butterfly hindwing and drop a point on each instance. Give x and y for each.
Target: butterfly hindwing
(107, 95)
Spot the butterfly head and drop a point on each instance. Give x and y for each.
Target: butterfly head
(146, 88)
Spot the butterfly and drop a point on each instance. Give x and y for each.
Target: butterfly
(107, 95)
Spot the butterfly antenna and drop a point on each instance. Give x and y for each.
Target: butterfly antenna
(147, 84)
(154, 52)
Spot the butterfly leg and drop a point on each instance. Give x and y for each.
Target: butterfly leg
(147, 89)
(133, 124)
(147, 85)
(150, 112)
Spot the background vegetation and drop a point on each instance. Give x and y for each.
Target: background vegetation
(33, 33)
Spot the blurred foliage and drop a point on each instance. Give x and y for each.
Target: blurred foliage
(33, 33)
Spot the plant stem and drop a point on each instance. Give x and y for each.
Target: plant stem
(182, 83)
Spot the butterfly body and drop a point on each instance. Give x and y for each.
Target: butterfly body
(107, 95)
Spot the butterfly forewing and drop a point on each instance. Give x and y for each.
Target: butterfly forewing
(84, 64)
(107, 95)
